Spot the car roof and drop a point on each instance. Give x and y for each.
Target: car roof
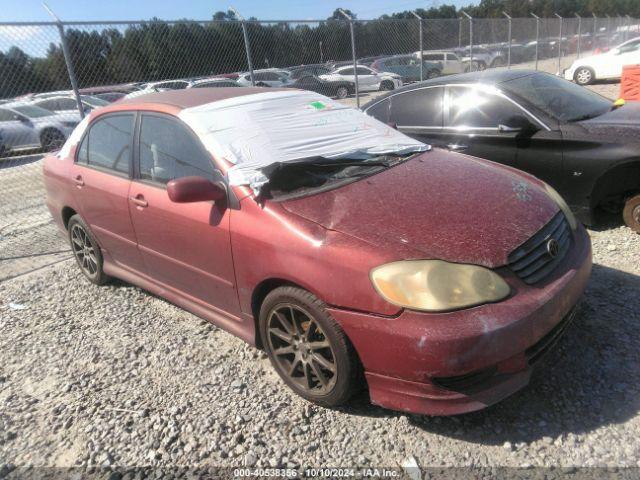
(492, 76)
(187, 98)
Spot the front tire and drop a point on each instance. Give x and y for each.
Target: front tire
(432, 74)
(584, 76)
(307, 347)
(52, 139)
(387, 85)
(631, 213)
(86, 251)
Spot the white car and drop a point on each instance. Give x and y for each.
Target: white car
(265, 78)
(606, 65)
(368, 80)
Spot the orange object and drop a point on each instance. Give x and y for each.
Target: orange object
(630, 83)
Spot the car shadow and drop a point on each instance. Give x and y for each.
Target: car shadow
(588, 381)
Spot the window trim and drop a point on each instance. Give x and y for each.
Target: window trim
(98, 168)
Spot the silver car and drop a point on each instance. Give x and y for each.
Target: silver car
(26, 127)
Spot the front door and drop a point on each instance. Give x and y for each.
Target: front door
(17, 131)
(186, 246)
(101, 175)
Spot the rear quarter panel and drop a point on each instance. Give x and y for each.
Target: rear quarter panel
(57, 186)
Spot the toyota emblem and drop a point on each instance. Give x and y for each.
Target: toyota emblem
(553, 248)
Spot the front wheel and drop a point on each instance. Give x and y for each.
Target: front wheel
(307, 347)
(86, 251)
(584, 76)
(387, 85)
(51, 139)
(631, 213)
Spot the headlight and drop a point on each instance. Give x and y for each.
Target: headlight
(555, 196)
(436, 285)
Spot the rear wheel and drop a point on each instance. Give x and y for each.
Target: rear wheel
(342, 92)
(584, 76)
(432, 74)
(307, 347)
(631, 213)
(51, 139)
(86, 251)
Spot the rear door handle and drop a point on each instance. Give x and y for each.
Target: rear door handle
(455, 147)
(78, 181)
(139, 201)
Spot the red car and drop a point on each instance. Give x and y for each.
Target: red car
(351, 253)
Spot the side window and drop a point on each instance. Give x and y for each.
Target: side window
(48, 104)
(67, 104)
(469, 107)
(418, 108)
(168, 150)
(363, 71)
(109, 143)
(630, 47)
(271, 76)
(346, 71)
(6, 116)
(433, 57)
(380, 111)
(258, 76)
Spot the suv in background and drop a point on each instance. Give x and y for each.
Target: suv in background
(408, 67)
(450, 62)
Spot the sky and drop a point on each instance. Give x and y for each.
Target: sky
(32, 10)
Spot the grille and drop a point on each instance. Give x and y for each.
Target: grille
(531, 261)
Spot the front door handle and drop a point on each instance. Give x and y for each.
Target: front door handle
(78, 181)
(456, 147)
(139, 201)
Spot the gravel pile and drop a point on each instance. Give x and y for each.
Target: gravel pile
(112, 376)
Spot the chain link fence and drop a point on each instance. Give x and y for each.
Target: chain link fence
(53, 73)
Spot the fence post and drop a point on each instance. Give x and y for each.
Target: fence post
(67, 59)
(608, 31)
(509, 40)
(628, 31)
(595, 30)
(579, 34)
(247, 47)
(353, 55)
(470, 18)
(537, 36)
(420, 44)
(460, 32)
(559, 44)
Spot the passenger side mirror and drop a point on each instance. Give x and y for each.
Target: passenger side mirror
(516, 124)
(195, 189)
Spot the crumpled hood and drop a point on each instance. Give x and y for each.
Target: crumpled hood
(621, 124)
(437, 205)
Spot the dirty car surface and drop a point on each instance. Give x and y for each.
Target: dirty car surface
(437, 277)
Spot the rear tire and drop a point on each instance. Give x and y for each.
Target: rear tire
(86, 250)
(432, 74)
(631, 213)
(584, 76)
(307, 347)
(52, 139)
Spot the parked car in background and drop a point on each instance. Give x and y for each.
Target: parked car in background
(304, 70)
(332, 64)
(367, 61)
(110, 96)
(214, 83)
(27, 127)
(330, 88)
(166, 85)
(566, 135)
(604, 66)
(408, 67)
(482, 57)
(436, 278)
(67, 105)
(265, 78)
(368, 80)
(450, 62)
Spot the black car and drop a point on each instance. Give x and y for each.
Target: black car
(304, 70)
(330, 88)
(567, 135)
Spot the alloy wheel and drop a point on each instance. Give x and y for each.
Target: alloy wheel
(83, 250)
(342, 92)
(583, 76)
(301, 349)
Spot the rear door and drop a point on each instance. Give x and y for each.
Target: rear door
(185, 246)
(102, 175)
(17, 131)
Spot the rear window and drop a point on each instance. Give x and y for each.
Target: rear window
(108, 144)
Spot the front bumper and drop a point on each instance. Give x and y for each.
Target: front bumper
(568, 73)
(457, 362)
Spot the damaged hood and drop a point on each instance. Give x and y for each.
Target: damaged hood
(437, 205)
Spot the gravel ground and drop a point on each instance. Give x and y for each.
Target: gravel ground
(112, 376)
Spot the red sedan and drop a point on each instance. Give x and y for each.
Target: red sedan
(349, 252)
